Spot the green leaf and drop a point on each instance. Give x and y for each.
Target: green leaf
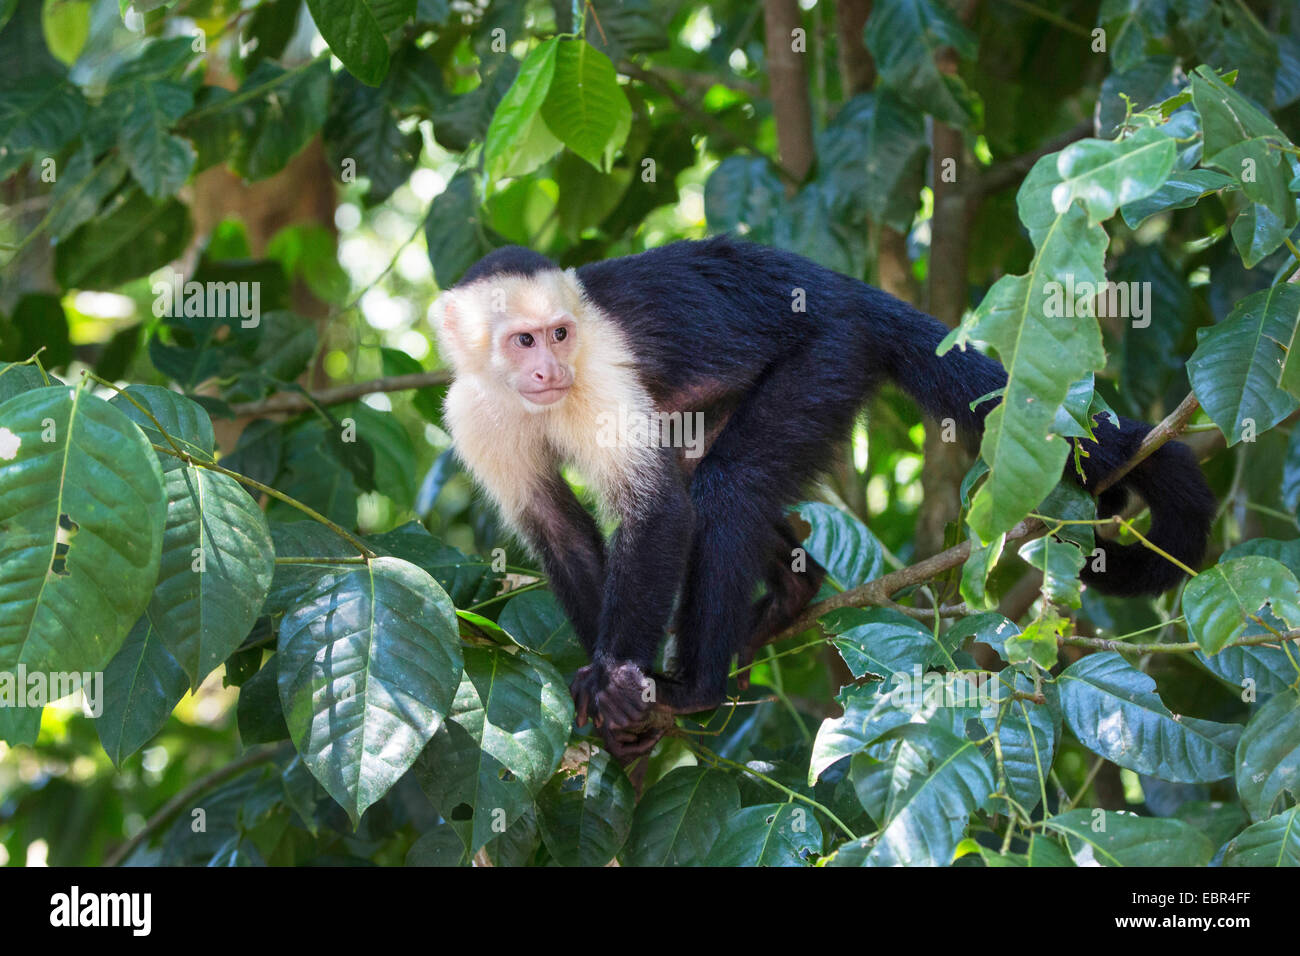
(1223, 601)
(83, 185)
(362, 128)
(1271, 842)
(1103, 175)
(841, 544)
(743, 194)
(1242, 141)
(504, 738)
(67, 25)
(467, 580)
(217, 555)
(159, 160)
(1113, 708)
(17, 379)
(883, 641)
(132, 238)
(585, 816)
(81, 505)
(1060, 562)
(368, 668)
(142, 685)
(441, 846)
(1043, 348)
(45, 118)
(357, 32)
(258, 713)
(924, 792)
(1268, 755)
(518, 140)
(454, 232)
(536, 621)
(680, 818)
(1119, 838)
(284, 121)
(1027, 733)
(905, 37)
(1183, 188)
(770, 834)
(585, 108)
(1237, 363)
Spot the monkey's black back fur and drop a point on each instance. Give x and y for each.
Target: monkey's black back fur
(715, 325)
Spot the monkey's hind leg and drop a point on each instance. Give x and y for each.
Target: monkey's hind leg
(788, 593)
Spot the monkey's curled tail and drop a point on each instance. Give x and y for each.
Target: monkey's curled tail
(1169, 481)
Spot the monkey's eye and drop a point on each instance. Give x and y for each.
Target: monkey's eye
(525, 340)
(561, 334)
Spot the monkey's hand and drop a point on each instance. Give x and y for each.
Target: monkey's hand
(620, 699)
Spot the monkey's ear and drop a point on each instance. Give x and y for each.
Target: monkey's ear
(445, 313)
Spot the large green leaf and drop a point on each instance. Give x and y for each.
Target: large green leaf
(1119, 838)
(1268, 756)
(81, 505)
(362, 127)
(585, 816)
(217, 554)
(518, 140)
(284, 121)
(1113, 708)
(585, 108)
(1223, 602)
(1271, 842)
(770, 834)
(368, 668)
(454, 232)
(357, 32)
(680, 818)
(922, 795)
(904, 37)
(1237, 363)
(504, 738)
(142, 684)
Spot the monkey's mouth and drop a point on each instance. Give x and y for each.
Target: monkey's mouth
(546, 396)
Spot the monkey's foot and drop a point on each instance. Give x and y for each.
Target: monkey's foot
(621, 700)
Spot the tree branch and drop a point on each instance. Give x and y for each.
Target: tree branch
(286, 403)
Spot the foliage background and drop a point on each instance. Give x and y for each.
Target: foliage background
(902, 142)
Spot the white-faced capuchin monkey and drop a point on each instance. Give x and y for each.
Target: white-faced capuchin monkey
(548, 361)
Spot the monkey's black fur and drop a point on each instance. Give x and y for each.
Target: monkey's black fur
(712, 329)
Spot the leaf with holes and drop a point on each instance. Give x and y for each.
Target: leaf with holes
(503, 739)
(680, 817)
(585, 816)
(368, 668)
(770, 834)
(81, 529)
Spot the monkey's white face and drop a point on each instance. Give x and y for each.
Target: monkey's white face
(537, 358)
(515, 333)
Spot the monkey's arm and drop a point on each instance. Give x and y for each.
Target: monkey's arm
(565, 536)
(647, 559)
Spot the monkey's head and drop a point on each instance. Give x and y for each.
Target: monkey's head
(512, 322)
